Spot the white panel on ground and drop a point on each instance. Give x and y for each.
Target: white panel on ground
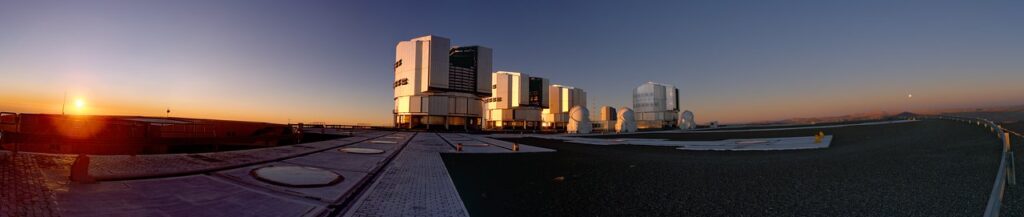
(782, 143)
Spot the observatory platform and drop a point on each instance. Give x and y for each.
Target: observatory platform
(369, 173)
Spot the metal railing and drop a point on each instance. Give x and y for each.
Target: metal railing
(1006, 164)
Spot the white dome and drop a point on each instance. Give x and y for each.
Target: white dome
(686, 121)
(579, 113)
(626, 122)
(579, 120)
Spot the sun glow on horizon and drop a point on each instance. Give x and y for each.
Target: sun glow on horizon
(79, 106)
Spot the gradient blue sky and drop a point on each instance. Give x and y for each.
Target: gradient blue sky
(331, 61)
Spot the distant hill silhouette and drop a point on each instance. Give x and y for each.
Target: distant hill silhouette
(830, 119)
(998, 114)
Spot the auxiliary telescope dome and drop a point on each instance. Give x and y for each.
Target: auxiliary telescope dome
(579, 120)
(686, 121)
(626, 121)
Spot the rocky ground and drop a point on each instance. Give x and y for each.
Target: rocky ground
(926, 168)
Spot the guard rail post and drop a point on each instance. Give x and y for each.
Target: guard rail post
(1010, 172)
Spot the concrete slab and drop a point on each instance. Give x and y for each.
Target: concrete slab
(507, 145)
(356, 150)
(471, 145)
(196, 195)
(119, 167)
(388, 143)
(386, 147)
(342, 161)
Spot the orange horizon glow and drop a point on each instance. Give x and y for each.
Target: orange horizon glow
(200, 108)
(719, 109)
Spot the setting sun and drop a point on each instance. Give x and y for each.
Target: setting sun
(79, 108)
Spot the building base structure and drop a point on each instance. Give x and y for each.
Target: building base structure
(413, 121)
(524, 118)
(445, 111)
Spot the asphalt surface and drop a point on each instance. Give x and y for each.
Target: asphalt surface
(926, 168)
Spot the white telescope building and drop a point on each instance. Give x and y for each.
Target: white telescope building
(606, 119)
(655, 106)
(560, 102)
(516, 101)
(437, 85)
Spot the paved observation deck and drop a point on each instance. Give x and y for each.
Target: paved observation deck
(382, 174)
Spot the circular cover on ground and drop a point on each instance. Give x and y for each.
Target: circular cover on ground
(361, 150)
(383, 142)
(296, 176)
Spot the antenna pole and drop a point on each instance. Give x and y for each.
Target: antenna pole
(64, 102)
